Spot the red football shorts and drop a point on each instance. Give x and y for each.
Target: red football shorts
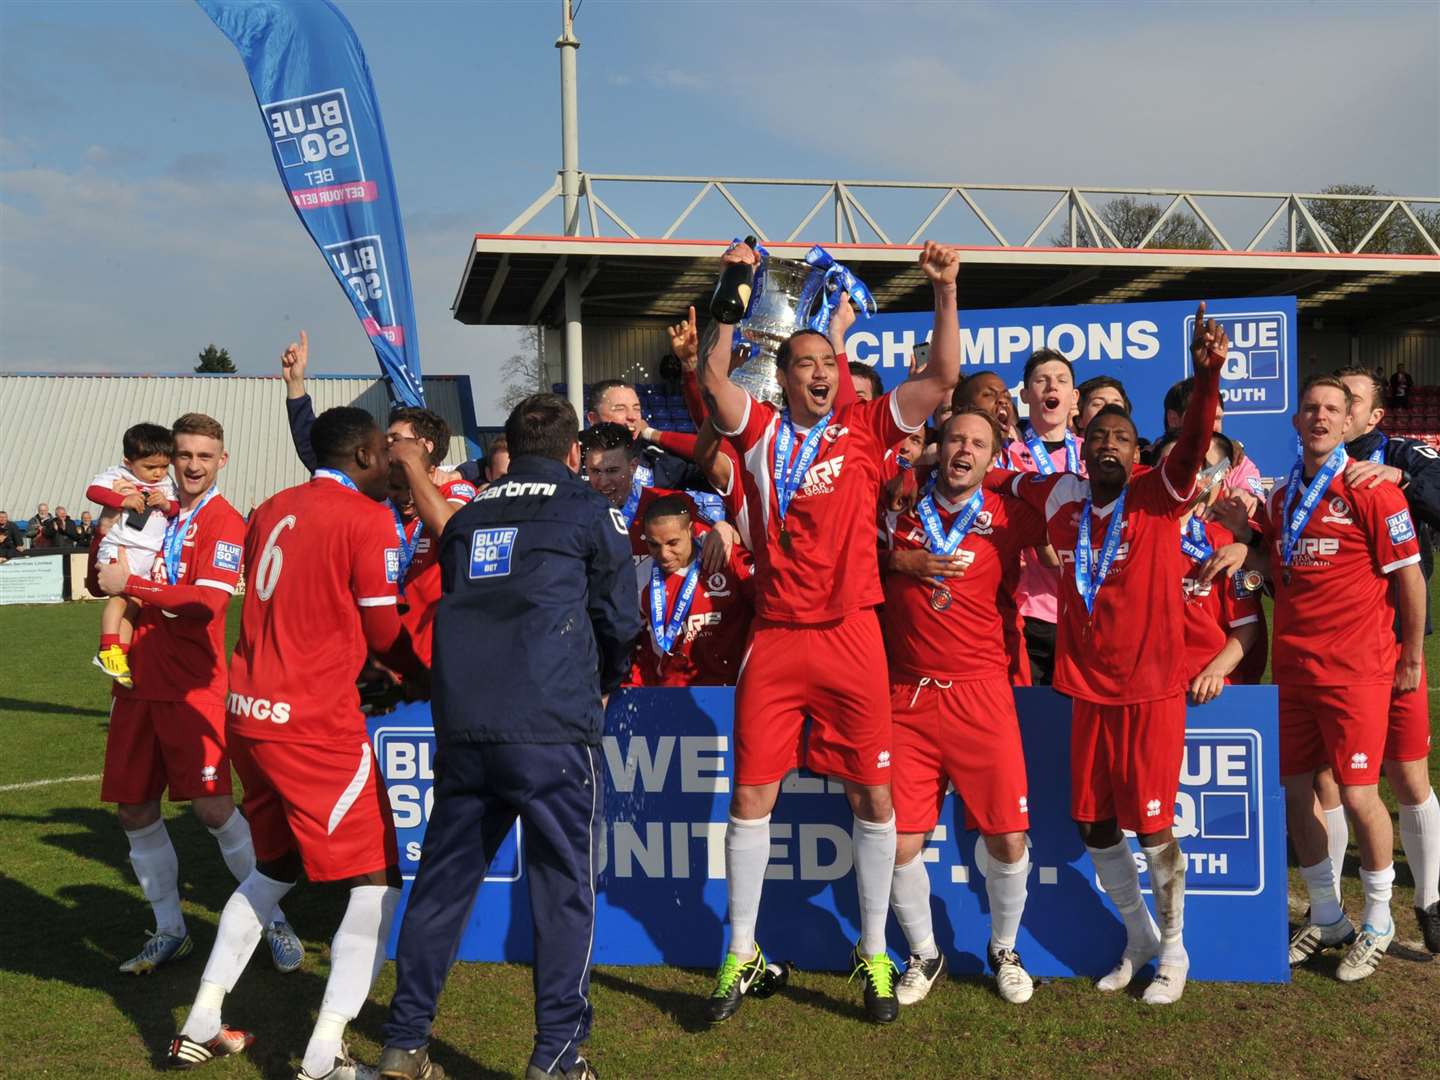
(154, 745)
(1125, 762)
(835, 673)
(1340, 726)
(1408, 735)
(327, 802)
(966, 734)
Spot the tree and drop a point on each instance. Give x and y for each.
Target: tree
(1346, 221)
(215, 361)
(1130, 219)
(524, 371)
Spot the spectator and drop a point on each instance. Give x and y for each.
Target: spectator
(1400, 384)
(62, 531)
(35, 527)
(10, 537)
(85, 529)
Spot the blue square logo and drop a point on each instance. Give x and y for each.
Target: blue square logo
(227, 557)
(490, 553)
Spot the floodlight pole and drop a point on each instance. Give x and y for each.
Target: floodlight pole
(569, 45)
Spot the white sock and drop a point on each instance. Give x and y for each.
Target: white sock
(1376, 884)
(235, 939)
(157, 868)
(910, 900)
(1115, 866)
(238, 851)
(356, 956)
(1005, 886)
(874, 846)
(1167, 878)
(1420, 837)
(747, 854)
(1337, 834)
(1324, 896)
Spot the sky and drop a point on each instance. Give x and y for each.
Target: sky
(141, 217)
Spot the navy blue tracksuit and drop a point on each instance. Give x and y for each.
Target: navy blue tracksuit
(537, 620)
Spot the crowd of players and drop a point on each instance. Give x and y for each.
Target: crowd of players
(946, 550)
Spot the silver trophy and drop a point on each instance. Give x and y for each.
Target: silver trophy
(787, 294)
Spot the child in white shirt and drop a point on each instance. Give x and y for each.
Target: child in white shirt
(137, 497)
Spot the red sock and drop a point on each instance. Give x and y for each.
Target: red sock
(106, 640)
(124, 646)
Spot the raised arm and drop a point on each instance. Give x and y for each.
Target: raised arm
(1208, 350)
(297, 402)
(920, 396)
(726, 400)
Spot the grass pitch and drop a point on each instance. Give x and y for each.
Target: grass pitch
(72, 912)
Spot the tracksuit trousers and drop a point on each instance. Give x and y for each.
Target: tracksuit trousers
(480, 789)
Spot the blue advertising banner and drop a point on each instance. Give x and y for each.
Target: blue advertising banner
(1145, 346)
(662, 878)
(318, 104)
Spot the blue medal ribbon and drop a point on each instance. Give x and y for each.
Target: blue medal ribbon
(667, 631)
(834, 279)
(644, 477)
(407, 545)
(941, 542)
(1089, 576)
(788, 477)
(1378, 454)
(1041, 456)
(1298, 516)
(339, 477)
(1194, 542)
(175, 530)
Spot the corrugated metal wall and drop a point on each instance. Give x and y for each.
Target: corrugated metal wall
(1418, 350)
(60, 431)
(629, 351)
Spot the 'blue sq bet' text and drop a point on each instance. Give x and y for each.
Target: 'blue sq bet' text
(490, 553)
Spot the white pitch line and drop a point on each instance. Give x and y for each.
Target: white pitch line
(47, 783)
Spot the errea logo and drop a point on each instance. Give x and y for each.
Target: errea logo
(883, 760)
(1152, 808)
(1024, 804)
(1359, 761)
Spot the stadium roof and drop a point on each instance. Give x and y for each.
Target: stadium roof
(62, 430)
(516, 278)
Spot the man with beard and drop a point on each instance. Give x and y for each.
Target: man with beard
(812, 480)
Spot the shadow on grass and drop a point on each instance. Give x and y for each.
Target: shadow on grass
(89, 929)
(10, 704)
(685, 1010)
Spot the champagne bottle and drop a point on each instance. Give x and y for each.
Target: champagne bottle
(732, 292)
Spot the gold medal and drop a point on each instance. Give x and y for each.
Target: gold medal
(1252, 581)
(940, 598)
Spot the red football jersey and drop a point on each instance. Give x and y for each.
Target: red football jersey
(709, 650)
(831, 571)
(314, 556)
(1334, 617)
(1132, 649)
(180, 659)
(1213, 608)
(965, 639)
(422, 583)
